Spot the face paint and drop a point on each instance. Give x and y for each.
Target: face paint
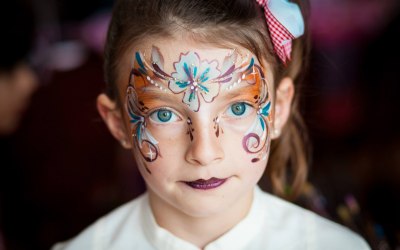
(199, 81)
(190, 128)
(145, 141)
(195, 78)
(217, 127)
(257, 137)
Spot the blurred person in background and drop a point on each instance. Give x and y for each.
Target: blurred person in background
(17, 84)
(17, 79)
(16, 88)
(43, 39)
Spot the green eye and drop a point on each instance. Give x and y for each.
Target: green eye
(163, 116)
(238, 109)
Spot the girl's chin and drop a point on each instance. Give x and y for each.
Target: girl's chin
(203, 203)
(203, 211)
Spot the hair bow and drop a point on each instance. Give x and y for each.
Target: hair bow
(285, 23)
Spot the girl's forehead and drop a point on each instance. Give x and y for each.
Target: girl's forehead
(195, 73)
(173, 49)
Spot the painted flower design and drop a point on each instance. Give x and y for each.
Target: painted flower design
(195, 78)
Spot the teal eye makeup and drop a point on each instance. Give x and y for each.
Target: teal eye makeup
(163, 116)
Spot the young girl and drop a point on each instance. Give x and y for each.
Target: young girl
(198, 90)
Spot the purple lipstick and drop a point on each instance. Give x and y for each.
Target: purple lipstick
(206, 184)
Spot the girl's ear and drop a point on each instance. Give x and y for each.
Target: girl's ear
(283, 102)
(113, 119)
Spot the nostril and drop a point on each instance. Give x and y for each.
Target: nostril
(205, 148)
(204, 155)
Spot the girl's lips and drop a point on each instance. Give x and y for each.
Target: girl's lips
(205, 184)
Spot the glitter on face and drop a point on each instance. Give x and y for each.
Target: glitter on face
(145, 141)
(198, 81)
(257, 137)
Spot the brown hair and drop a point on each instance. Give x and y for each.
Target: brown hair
(240, 22)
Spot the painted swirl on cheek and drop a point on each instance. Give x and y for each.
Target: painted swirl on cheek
(256, 139)
(146, 143)
(151, 151)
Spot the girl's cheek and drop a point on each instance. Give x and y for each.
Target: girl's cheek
(168, 132)
(171, 138)
(250, 135)
(238, 125)
(230, 132)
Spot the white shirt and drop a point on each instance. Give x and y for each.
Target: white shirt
(271, 223)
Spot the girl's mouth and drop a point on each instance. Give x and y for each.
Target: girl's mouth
(205, 184)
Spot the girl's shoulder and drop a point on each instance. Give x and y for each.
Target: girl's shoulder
(315, 231)
(114, 225)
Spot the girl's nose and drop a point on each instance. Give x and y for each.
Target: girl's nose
(205, 149)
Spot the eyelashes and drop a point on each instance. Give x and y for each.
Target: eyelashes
(163, 116)
(239, 110)
(166, 115)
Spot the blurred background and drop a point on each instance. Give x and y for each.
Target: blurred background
(60, 169)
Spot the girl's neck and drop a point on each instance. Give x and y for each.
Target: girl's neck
(199, 231)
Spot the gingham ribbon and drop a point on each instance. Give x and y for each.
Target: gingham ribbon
(285, 23)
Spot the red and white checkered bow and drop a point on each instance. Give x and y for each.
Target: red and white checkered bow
(275, 11)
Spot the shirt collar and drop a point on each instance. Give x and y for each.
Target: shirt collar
(237, 237)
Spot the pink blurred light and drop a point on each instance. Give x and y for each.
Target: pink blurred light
(335, 22)
(94, 31)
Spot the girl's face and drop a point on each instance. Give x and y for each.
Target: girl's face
(199, 119)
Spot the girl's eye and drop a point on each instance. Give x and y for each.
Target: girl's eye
(163, 116)
(239, 109)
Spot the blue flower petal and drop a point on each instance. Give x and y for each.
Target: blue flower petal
(251, 64)
(182, 85)
(204, 88)
(135, 118)
(139, 132)
(265, 110)
(140, 62)
(262, 123)
(203, 76)
(194, 72)
(192, 96)
(187, 71)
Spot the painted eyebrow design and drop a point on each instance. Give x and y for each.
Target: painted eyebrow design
(151, 94)
(249, 90)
